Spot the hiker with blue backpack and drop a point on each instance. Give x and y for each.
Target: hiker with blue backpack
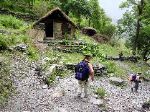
(135, 79)
(83, 70)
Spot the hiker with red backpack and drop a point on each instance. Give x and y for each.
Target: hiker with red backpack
(135, 79)
(83, 70)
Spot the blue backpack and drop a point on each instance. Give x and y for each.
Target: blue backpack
(133, 78)
(82, 71)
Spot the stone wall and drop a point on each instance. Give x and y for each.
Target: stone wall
(36, 34)
(27, 17)
(99, 69)
(123, 58)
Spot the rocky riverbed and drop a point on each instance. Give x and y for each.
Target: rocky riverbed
(32, 95)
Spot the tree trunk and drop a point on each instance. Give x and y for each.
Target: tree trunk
(89, 22)
(140, 11)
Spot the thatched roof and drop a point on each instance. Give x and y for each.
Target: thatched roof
(55, 13)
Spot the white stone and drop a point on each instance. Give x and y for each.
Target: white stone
(44, 86)
(96, 101)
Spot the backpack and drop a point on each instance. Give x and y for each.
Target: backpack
(82, 71)
(133, 78)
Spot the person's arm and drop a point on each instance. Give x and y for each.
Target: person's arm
(91, 71)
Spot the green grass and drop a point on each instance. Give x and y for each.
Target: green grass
(101, 92)
(85, 38)
(52, 77)
(114, 69)
(6, 87)
(64, 57)
(8, 21)
(137, 67)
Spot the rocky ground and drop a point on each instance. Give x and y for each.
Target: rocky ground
(32, 95)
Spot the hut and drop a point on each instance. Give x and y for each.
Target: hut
(54, 25)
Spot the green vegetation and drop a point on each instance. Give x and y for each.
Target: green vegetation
(11, 22)
(52, 77)
(114, 69)
(139, 67)
(83, 12)
(6, 88)
(15, 35)
(135, 24)
(101, 92)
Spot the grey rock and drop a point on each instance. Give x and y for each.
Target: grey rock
(117, 81)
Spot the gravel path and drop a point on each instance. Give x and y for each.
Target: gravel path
(62, 97)
(122, 100)
(30, 95)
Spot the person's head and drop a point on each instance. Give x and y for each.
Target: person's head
(139, 73)
(87, 57)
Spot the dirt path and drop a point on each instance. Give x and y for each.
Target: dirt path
(62, 97)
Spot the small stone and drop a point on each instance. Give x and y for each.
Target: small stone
(58, 94)
(96, 101)
(62, 110)
(45, 87)
(95, 96)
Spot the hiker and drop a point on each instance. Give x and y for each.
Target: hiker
(83, 70)
(135, 79)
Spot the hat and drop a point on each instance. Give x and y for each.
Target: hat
(139, 73)
(88, 54)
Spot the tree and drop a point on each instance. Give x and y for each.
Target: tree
(78, 8)
(135, 25)
(99, 20)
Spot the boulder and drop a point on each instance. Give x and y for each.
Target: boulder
(89, 31)
(117, 81)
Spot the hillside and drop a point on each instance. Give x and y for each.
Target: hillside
(35, 76)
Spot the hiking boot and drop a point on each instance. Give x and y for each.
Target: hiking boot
(79, 95)
(85, 96)
(131, 89)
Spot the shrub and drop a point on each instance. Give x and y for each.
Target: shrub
(101, 92)
(111, 66)
(8, 40)
(33, 53)
(10, 22)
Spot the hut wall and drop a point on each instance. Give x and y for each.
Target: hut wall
(73, 29)
(67, 30)
(57, 30)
